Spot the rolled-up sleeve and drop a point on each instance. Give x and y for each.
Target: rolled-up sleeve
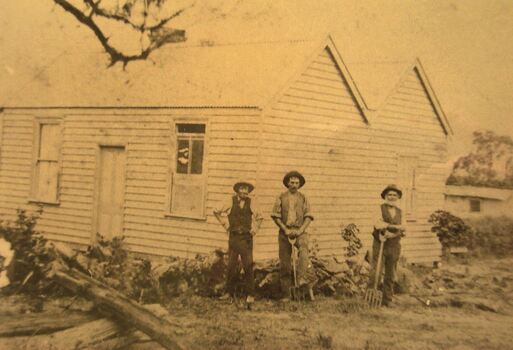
(276, 212)
(257, 215)
(307, 210)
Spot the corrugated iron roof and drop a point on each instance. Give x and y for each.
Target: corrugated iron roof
(246, 74)
(479, 192)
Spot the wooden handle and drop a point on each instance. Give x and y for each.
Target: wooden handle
(378, 265)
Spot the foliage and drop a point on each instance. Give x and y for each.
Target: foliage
(32, 256)
(109, 262)
(203, 275)
(493, 235)
(451, 230)
(489, 165)
(354, 244)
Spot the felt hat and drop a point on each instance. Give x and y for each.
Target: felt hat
(389, 188)
(243, 183)
(294, 173)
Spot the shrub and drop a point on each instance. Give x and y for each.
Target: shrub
(109, 262)
(32, 257)
(493, 235)
(350, 234)
(451, 230)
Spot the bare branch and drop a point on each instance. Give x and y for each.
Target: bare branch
(157, 34)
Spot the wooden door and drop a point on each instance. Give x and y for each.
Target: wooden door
(111, 191)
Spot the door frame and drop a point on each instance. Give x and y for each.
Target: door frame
(97, 179)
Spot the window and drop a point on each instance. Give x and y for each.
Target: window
(475, 205)
(408, 181)
(45, 179)
(188, 179)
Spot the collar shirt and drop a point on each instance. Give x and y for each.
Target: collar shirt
(292, 209)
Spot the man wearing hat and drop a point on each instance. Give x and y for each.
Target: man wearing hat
(241, 221)
(388, 228)
(292, 214)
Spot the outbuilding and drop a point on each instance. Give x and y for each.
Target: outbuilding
(473, 202)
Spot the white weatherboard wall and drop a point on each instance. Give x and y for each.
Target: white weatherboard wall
(316, 127)
(410, 124)
(148, 139)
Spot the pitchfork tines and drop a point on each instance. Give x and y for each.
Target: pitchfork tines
(374, 297)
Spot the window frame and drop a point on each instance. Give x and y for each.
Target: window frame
(409, 201)
(36, 148)
(172, 171)
(471, 207)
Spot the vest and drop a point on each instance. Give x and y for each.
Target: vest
(396, 220)
(300, 204)
(240, 219)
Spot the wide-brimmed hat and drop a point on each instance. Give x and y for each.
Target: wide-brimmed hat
(294, 173)
(389, 188)
(243, 183)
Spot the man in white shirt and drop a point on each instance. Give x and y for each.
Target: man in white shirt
(292, 214)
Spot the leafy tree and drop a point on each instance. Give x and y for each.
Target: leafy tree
(490, 164)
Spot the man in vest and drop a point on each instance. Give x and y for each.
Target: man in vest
(292, 214)
(242, 224)
(388, 228)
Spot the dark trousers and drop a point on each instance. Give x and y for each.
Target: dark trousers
(240, 245)
(285, 251)
(391, 253)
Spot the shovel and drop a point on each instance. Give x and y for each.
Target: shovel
(374, 297)
(295, 293)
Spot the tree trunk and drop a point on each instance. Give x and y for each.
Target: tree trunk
(42, 323)
(112, 303)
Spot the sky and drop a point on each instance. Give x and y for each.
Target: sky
(466, 47)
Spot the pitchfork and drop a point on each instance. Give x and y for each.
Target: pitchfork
(374, 297)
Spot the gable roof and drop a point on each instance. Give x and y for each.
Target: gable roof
(221, 75)
(327, 43)
(379, 80)
(478, 192)
(231, 75)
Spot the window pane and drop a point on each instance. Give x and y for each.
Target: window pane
(475, 205)
(182, 156)
(49, 142)
(187, 199)
(191, 128)
(47, 181)
(197, 157)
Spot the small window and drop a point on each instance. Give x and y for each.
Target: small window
(46, 162)
(475, 205)
(188, 187)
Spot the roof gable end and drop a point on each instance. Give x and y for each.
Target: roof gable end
(326, 44)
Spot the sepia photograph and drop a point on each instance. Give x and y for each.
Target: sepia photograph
(265, 174)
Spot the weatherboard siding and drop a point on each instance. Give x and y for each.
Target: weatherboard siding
(408, 113)
(231, 154)
(317, 128)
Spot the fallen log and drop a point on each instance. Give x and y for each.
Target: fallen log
(41, 323)
(114, 304)
(86, 336)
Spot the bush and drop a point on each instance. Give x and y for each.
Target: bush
(109, 262)
(493, 235)
(451, 230)
(350, 234)
(31, 258)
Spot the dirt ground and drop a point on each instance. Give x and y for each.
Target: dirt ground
(470, 307)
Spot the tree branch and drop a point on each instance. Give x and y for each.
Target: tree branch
(157, 34)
